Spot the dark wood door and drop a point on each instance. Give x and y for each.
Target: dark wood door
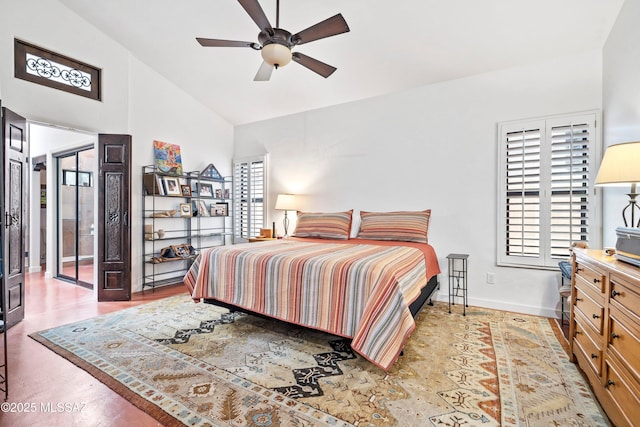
(114, 231)
(14, 156)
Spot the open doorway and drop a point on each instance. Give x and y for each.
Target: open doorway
(63, 206)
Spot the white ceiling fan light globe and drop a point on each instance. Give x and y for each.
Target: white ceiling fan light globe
(276, 54)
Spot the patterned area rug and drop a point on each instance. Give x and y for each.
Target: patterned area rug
(198, 365)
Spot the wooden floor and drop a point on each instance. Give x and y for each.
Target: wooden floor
(38, 377)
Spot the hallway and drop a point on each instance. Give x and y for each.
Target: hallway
(38, 377)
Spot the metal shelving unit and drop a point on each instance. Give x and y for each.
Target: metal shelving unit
(196, 231)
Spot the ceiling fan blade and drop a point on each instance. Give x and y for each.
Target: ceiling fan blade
(253, 8)
(264, 72)
(327, 28)
(224, 43)
(325, 70)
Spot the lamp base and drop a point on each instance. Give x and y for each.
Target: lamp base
(631, 209)
(285, 223)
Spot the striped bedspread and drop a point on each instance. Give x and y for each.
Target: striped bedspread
(360, 291)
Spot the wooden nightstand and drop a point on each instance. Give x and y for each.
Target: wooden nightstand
(260, 239)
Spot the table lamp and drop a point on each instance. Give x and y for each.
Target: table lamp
(286, 202)
(621, 166)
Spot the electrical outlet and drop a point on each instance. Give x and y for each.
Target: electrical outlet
(491, 278)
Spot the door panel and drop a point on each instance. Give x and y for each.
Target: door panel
(76, 215)
(114, 230)
(14, 157)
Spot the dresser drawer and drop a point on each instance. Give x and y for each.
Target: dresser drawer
(591, 277)
(589, 346)
(590, 309)
(625, 295)
(623, 392)
(624, 340)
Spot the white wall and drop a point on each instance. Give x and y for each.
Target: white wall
(432, 147)
(135, 99)
(621, 103)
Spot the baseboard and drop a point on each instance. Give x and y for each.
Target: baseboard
(37, 269)
(504, 306)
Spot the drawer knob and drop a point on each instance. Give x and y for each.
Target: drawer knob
(614, 293)
(578, 299)
(614, 335)
(576, 333)
(610, 383)
(594, 356)
(579, 269)
(595, 316)
(596, 280)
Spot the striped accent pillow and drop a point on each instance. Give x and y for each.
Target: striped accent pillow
(404, 226)
(324, 225)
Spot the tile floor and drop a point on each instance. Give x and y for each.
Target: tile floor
(38, 377)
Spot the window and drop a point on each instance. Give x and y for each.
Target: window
(546, 201)
(42, 66)
(249, 196)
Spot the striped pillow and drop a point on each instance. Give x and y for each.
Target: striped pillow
(324, 225)
(404, 226)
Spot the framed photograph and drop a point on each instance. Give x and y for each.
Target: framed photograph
(202, 208)
(225, 193)
(219, 209)
(205, 190)
(185, 209)
(171, 186)
(186, 190)
(218, 193)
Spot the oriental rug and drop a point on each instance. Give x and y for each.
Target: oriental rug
(199, 365)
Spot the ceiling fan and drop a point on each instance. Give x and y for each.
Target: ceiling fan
(275, 43)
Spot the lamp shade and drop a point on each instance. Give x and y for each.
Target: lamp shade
(286, 202)
(620, 165)
(276, 54)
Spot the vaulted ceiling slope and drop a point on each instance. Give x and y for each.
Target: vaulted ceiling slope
(392, 46)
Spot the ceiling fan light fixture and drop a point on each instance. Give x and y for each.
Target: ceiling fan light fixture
(276, 54)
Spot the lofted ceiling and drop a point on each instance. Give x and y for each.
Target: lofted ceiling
(392, 46)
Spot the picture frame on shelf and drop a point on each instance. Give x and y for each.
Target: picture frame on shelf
(210, 172)
(153, 184)
(171, 186)
(186, 190)
(202, 208)
(220, 209)
(218, 193)
(185, 210)
(205, 190)
(225, 193)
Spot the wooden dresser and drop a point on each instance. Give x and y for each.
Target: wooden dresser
(605, 331)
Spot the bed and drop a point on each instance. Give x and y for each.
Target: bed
(363, 289)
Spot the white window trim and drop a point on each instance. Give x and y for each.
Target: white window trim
(595, 203)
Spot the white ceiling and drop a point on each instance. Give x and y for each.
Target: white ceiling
(392, 46)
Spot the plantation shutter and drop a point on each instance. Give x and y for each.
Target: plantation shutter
(522, 207)
(570, 172)
(546, 201)
(249, 197)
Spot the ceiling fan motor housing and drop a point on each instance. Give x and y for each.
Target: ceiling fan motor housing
(276, 47)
